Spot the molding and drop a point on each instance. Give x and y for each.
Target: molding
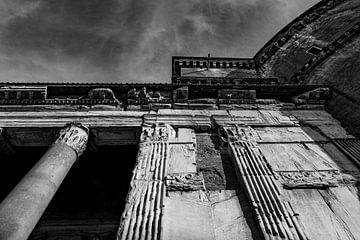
(38, 95)
(179, 62)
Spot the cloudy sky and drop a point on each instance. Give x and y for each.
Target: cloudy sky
(129, 40)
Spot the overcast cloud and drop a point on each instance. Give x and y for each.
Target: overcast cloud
(129, 40)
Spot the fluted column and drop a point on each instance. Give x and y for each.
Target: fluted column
(23, 207)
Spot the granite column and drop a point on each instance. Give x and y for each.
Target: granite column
(23, 207)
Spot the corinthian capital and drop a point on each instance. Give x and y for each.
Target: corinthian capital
(75, 136)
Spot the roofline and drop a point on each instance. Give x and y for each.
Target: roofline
(298, 19)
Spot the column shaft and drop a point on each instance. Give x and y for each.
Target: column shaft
(23, 207)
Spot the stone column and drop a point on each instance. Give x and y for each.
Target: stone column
(23, 207)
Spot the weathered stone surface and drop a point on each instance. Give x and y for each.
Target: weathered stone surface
(144, 207)
(103, 94)
(299, 157)
(159, 133)
(23, 93)
(288, 135)
(214, 163)
(162, 151)
(185, 182)
(310, 179)
(327, 214)
(256, 118)
(238, 133)
(182, 158)
(141, 218)
(213, 215)
(274, 216)
(145, 96)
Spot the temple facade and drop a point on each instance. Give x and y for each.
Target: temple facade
(232, 148)
(220, 153)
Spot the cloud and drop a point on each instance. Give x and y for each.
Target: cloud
(129, 40)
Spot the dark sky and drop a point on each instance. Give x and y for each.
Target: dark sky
(129, 40)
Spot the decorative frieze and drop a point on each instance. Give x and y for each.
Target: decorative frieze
(185, 182)
(22, 94)
(38, 95)
(145, 96)
(310, 179)
(159, 133)
(235, 133)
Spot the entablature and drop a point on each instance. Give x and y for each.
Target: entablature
(145, 97)
(123, 127)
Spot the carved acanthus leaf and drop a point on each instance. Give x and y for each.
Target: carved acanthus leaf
(75, 136)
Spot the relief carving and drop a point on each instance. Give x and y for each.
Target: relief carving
(22, 94)
(100, 96)
(157, 133)
(143, 96)
(185, 182)
(310, 179)
(238, 133)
